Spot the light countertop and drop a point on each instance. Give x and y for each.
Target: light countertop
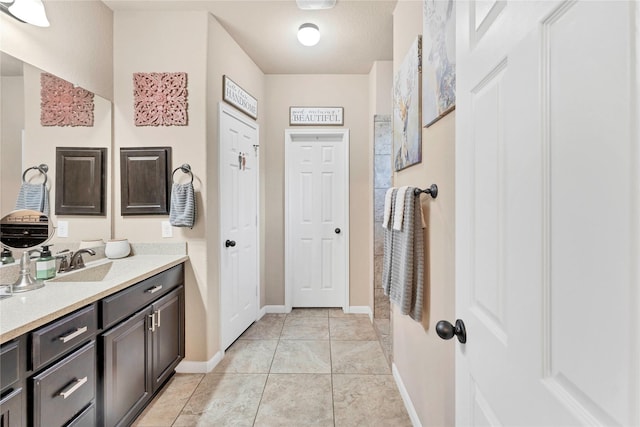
(24, 312)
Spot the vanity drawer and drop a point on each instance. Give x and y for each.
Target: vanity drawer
(65, 389)
(121, 305)
(9, 364)
(86, 418)
(64, 334)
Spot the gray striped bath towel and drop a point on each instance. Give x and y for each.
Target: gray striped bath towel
(34, 197)
(183, 205)
(403, 259)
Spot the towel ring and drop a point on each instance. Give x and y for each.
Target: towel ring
(185, 168)
(42, 168)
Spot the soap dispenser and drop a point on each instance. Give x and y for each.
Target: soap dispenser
(7, 257)
(45, 265)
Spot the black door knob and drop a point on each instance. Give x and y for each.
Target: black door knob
(228, 243)
(446, 330)
(337, 230)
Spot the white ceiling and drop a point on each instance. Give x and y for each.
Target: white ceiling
(353, 34)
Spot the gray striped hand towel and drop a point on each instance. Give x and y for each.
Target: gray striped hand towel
(183, 205)
(403, 259)
(34, 197)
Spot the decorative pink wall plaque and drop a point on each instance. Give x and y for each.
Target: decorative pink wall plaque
(160, 99)
(63, 104)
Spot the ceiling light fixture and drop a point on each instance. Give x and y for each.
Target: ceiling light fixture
(315, 4)
(309, 34)
(29, 11)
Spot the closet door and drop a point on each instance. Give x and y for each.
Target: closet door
(238, 189)
(317, 218)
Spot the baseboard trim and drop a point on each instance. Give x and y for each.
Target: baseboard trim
(191, 367)
(277, 309)
(361, 309)
(261, 313)
(413, 415)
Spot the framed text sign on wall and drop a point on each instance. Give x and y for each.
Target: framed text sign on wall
(239, 98)
(316, 116)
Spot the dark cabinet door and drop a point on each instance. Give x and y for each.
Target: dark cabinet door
(168, 335)
(127, 380)
(144, 180)
(11, 413)
(81, 181)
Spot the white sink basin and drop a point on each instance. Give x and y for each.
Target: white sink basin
(94, 273)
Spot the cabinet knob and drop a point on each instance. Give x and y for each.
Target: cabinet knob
(231, 243)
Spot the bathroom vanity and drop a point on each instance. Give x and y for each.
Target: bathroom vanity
(91, 348)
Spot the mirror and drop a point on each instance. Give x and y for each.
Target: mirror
(25, 143)
(23, 229)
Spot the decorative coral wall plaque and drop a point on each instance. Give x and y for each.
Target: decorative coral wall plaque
(160, 99)
(63, 104)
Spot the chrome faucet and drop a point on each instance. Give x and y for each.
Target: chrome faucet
(76, 261)
(64, 256)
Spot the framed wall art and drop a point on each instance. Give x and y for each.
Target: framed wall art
(407, 129)
(439, 64)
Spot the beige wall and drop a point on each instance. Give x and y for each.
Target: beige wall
(424, 362)
(78, 46)
(151, 47)
(350, 92)
(198, 45)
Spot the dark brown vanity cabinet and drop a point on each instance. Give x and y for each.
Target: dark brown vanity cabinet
(101, 364)
(12, 396)
(140, 352)
(62, 392)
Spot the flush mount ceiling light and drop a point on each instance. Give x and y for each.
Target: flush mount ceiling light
(309, 34)
(29, 11)
(315, 4)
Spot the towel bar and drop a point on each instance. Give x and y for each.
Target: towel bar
(432, 190)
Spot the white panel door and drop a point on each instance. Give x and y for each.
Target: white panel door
(238, 223)
(547, 213)
(317, 218)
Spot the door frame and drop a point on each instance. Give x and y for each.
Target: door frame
(289, 137)
(226, 109)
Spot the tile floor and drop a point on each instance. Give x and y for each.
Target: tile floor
(312, 367)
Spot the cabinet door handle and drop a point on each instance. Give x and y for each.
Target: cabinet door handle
(153, 322)
(69, 391)
(72, 335)
(154, 289)
(158, 313)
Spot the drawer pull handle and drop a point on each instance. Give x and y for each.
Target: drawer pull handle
(154, 289)
(68, 392)
(72, 335)
(152, 316)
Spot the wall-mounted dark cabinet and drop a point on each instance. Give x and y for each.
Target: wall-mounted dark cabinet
(144, 180)
(81, 181)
